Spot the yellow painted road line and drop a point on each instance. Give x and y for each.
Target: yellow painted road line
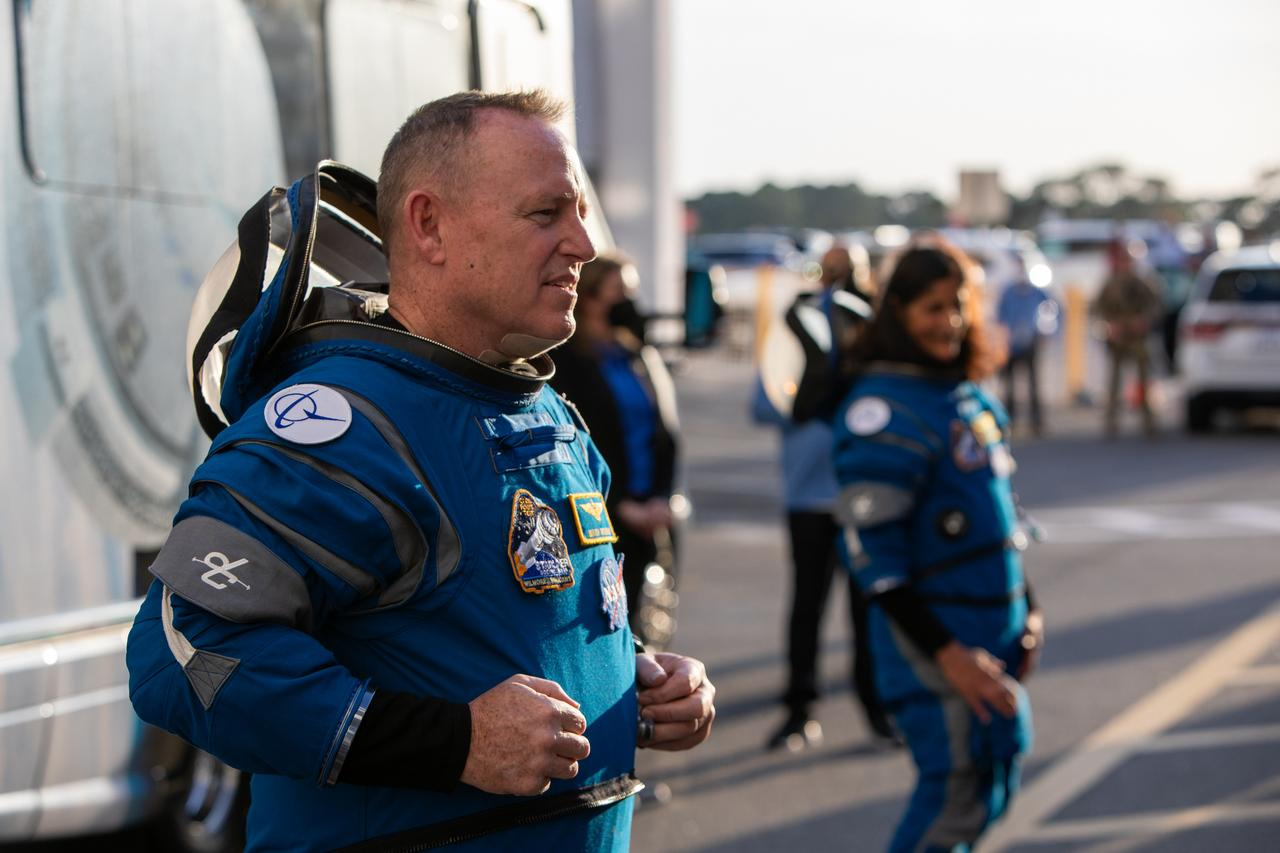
(1126, 733)
(1157, 823)
(1208, 738)
(1258, 676)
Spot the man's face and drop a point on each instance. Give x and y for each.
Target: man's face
(515, 238)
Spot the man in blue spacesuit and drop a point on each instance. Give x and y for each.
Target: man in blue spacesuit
(370, 599)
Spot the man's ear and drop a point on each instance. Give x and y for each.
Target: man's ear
(421, 215)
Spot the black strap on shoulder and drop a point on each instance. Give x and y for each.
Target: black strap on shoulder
(977, 600)
(959, 559)
(519, 813)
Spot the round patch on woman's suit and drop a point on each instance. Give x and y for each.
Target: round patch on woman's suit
(868, 416)
(307, 414)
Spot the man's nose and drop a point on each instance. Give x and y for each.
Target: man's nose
(577, 244)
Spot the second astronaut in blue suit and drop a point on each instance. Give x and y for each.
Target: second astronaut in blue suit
(932, 535)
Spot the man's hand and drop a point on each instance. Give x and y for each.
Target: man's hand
(644, 517)
(525, 732)
(677, 698)
(1032, 642)
(980, 680)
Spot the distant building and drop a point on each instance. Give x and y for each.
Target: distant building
(982, 201)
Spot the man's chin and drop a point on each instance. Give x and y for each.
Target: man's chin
(530, 343)
(560, 328)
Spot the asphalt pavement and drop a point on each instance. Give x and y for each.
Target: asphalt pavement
(1158, 702)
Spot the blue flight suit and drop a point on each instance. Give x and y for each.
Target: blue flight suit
(440, 529)
(926, 502)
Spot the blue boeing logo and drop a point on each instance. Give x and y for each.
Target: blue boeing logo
(297, 408)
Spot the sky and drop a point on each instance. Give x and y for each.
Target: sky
(901, 95)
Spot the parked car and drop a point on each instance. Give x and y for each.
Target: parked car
(746, 249)
(1004, 256)
(1077, 249)
(1229, 334)
(880, 242)
(741, 255)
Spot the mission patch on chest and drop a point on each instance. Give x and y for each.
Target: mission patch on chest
(539, 556)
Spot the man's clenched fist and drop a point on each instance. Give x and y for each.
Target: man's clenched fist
(525, 732)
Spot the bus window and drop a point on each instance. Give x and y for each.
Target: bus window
(73, 77)
(525, 45)
(130, 96)
(422, 55)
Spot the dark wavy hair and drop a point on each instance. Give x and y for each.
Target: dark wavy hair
(919, 267)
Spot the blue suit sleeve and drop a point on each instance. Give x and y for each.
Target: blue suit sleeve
(278, 701)
(880, 475)
(223, 651)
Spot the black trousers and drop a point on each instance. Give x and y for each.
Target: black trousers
(814, 561)
(1024, 362)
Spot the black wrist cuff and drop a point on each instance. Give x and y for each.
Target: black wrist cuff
(915, 619)
(407, 741)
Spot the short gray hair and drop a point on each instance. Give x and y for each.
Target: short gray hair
(431, 144)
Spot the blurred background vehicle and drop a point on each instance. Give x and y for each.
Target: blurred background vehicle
(1230, 335)
(880, 242)
(740, 255)
(1077, 248)
(762, 271)
(1004, 254)
(704, 302)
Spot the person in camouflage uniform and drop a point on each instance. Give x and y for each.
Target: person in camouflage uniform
(1128, 303)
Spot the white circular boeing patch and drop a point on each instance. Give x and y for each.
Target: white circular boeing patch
(868, 416)
(308, 414)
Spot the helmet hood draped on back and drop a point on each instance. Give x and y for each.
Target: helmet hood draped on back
(299, 253)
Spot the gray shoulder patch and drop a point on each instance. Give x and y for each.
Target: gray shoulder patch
(207, 672)
(232, 575)
(869, 503)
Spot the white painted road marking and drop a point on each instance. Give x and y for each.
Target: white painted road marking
(1086, 525)
(1130, 732)
(1089, 525)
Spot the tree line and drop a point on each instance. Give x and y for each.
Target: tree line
(1102, 191)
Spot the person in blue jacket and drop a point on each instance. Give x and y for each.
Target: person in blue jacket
(933, 537)
(1029, 315)
(392, 594)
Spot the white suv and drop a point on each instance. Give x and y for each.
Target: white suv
(1229, 334)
